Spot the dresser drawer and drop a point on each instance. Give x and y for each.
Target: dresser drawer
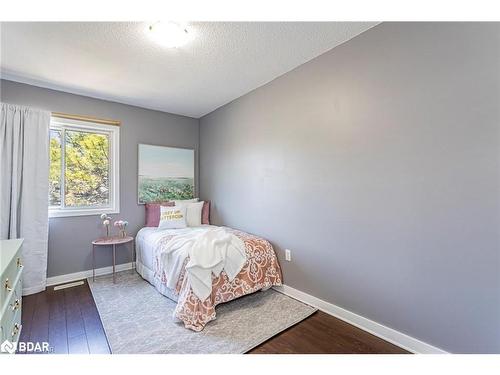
(12, 328)
(10, 277)
(13, 303)
(11, 290)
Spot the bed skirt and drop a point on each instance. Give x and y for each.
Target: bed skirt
(148, 275)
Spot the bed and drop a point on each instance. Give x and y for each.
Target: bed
(260, 272)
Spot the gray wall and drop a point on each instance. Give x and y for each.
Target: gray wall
(377, 164)
(70, 237)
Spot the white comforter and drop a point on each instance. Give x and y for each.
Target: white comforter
(210, 250)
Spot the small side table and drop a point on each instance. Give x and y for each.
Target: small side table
(113, 241)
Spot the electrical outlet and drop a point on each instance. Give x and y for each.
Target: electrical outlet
(288, 255)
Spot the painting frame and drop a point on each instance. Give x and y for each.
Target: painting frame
(140, 163)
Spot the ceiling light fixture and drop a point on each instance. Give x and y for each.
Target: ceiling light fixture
(169, 34)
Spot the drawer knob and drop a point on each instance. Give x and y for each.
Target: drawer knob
(7, 286)
(15, 330)
(19, 264)
(16, 305)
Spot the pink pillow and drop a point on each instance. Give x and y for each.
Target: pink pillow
(153, 213)
(205, 213)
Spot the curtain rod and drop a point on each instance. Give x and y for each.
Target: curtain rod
(86, 118)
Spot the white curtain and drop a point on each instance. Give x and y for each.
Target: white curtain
(24, 159)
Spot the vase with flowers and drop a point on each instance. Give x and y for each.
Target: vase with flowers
(121, 225)
(106, 220)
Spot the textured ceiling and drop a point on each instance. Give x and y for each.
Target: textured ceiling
(119, 62)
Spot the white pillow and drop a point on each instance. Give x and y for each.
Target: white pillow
(193, 213)
(184, 201)
(172, 217)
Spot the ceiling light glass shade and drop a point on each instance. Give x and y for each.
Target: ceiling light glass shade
(169, 34)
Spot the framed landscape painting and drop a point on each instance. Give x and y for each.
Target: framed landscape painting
(165, 173)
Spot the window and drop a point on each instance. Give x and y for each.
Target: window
(84, 165)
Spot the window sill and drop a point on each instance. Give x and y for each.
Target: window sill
(83, 212)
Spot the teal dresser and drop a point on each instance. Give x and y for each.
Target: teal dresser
(11, 289)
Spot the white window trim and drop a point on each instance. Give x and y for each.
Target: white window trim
(114, 161)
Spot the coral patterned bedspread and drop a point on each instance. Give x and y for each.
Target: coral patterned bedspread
(260, 271)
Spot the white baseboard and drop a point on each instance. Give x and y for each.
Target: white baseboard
(388, 334)
(85, 274)
(33, 290)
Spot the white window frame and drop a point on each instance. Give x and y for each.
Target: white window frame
(113, 207)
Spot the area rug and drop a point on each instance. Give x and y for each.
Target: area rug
(137, 319)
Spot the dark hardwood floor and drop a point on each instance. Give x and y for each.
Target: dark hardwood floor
(324, 334)
(69, 321)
